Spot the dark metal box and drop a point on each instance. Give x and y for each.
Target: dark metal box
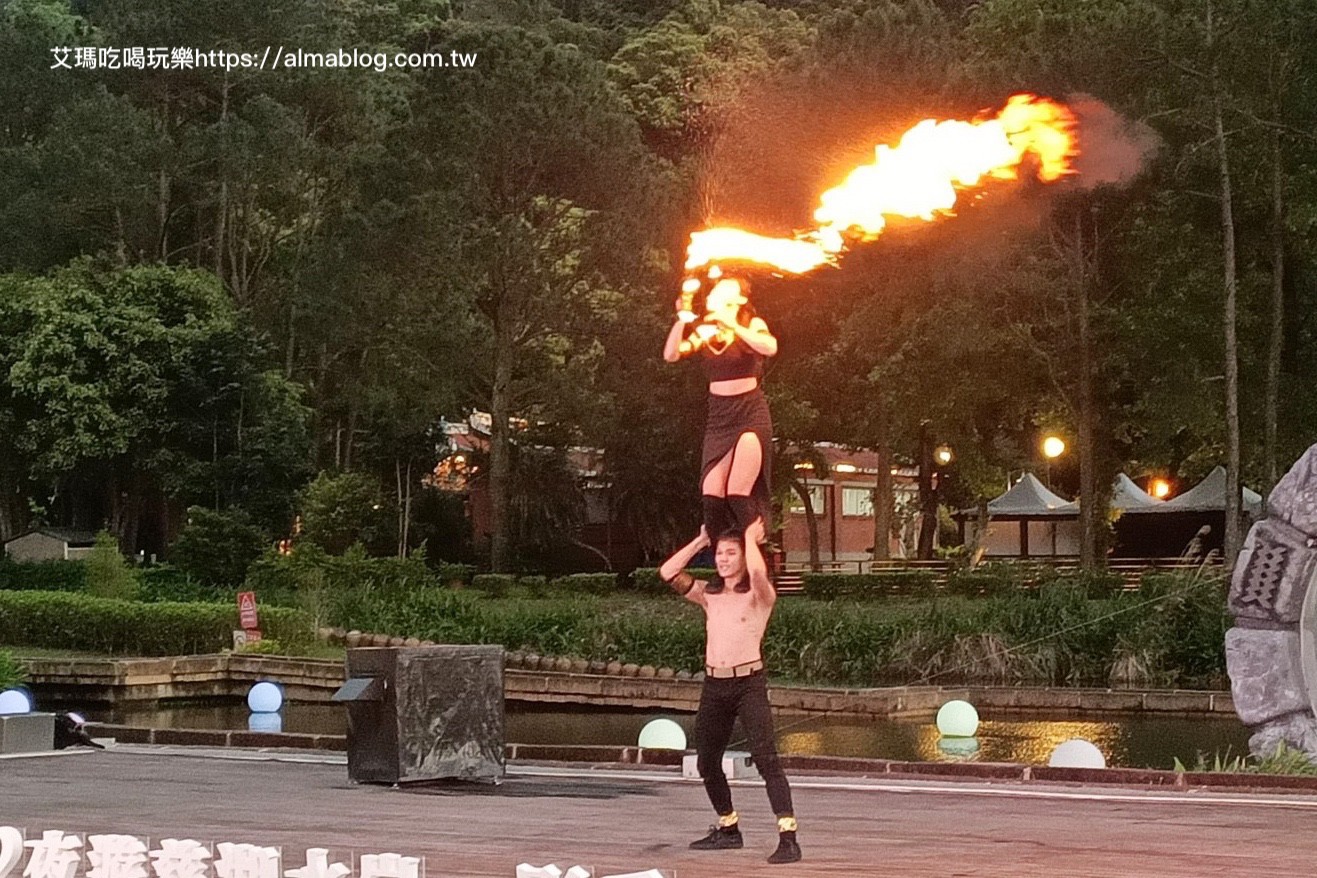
(424, 713)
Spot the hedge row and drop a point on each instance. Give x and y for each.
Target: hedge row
(646, 579)
(885, 583)
(510, 585)
(58, 620)
(42, 575)
(1170, 634)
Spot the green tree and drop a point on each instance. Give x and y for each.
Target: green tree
(217, 547)
(109, 574)
(140, 383)
(341, 510)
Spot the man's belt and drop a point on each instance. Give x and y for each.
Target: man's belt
(744, 670)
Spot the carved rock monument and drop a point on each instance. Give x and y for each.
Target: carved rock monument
(1271, 653)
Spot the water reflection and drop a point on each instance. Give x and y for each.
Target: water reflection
(1129, 740)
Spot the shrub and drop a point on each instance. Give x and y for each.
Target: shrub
(827, 586)
(341, 510)
(167, 583)
(42, 575)
(60, 620)
(530, 586)
(264, 646)
(586, 583)
(646, 579)
(999, 577)
(217, 548)
(454, 574)
(11, 672)
(109, 575)
(1094, 583)
(494, 584)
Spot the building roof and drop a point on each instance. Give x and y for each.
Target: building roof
(1127, 496)
(75, 538)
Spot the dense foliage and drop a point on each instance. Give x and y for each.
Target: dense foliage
(215, 284)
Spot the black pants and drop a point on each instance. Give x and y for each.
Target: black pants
(721, 702)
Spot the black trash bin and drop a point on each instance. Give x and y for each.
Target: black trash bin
(424, 713)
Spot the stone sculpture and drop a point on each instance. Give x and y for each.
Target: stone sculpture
(1271, 652)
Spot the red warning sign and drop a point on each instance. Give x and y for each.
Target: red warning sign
(247, 610)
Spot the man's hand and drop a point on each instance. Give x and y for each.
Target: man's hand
(703, 537)
(754, 531)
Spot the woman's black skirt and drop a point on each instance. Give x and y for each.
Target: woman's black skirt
(730, 417)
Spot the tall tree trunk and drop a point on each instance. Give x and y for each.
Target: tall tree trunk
(1276, 345)
(811, 524)
(1232, 534)
(500, 457)
(1088, 494)
(882, 490)
(222, 208)
(927, 498)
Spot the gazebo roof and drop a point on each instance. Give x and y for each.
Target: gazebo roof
(1209, 495)
(1127, 496)
(1028, 498)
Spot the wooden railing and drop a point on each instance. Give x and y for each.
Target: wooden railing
(790, 578)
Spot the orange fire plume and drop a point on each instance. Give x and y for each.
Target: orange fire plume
(920, 178)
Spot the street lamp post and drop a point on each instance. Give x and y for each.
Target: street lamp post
(1053, 447)
(930, 460)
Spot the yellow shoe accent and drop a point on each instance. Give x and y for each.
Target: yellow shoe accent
(786, 824)
(726, 820)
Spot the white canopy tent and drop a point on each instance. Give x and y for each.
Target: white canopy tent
(1209, 495)
(1027, 520)
(1127, 496)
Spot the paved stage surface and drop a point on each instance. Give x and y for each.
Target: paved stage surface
(627, 820)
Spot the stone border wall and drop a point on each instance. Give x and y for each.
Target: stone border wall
(637, 757)
(138, 681)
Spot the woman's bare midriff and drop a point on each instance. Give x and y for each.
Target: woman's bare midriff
(733, 386)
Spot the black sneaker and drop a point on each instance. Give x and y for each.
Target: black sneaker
(788, 850)
(720, 838)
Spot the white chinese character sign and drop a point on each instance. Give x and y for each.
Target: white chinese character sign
(54, 855)
(57, 854)
(180, 858)
(117, 856)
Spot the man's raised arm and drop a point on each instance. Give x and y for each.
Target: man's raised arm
(755, 565)
(672, 571)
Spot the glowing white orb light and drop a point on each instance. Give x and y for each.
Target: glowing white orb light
(662, 734)
(265, 722)
(958, 719)
(1077, 753)
(14, 701)
(265, 697)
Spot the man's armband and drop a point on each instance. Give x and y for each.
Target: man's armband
(681, 582)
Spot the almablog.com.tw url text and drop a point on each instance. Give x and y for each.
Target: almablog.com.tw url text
(272, 58)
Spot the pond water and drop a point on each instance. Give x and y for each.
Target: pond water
(1127, 740)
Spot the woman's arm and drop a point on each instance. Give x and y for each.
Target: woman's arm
(757, 336)
(672, 347)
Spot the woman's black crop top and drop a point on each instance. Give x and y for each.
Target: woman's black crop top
(738, 361)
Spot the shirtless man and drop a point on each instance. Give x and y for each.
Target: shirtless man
(737, 605)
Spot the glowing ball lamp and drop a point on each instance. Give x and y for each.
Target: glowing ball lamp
(265, 697)
(662, 734)
(14, 701)
(1077, 753)
(958, 719)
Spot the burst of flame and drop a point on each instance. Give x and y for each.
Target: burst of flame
(920, 178)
